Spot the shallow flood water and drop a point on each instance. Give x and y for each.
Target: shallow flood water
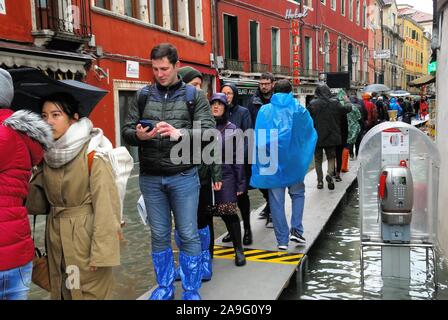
(333, 262)
(334, 267)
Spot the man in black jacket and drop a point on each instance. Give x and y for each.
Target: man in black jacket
(260, 98)
(165, 184)
(325, 112)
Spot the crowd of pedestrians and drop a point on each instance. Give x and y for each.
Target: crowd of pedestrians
(56, 164)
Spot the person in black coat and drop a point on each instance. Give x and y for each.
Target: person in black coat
(325, 112)
(241, 118)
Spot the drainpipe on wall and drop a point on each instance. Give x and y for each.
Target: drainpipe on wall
(215, 39)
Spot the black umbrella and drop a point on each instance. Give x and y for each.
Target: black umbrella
(31, 86)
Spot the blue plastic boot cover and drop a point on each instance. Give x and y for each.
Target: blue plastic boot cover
(191, 275)
(207, 270)
(164, 268)
(178, 244)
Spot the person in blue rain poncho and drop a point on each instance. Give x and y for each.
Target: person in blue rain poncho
(393, 105)
(285, 140)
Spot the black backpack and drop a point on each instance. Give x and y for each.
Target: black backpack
(190, 93)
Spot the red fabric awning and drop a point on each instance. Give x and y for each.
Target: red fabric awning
(201, 68)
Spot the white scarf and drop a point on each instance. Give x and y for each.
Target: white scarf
(67, 147)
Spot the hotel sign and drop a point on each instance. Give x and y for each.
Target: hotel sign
(295, 26)
(296, 15)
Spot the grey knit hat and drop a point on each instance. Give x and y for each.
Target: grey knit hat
(6, 89)
(188, 73)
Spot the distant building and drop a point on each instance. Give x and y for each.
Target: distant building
(106, 43)
(422, 18)
(416, 52)
(393, 42)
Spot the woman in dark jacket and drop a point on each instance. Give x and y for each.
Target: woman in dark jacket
(241, 118)
(233, 177)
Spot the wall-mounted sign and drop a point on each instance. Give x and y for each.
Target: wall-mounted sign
(382, 54)
(296, 15)
(432, 67)
(2, 7)
(132, 69)
(306, 91)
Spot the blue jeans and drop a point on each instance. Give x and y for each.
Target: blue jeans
(177, 193)
(277, 204)
(15, 283)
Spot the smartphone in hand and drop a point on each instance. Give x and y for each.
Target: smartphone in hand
(146, 123)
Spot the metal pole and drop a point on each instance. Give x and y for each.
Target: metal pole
(361, 256)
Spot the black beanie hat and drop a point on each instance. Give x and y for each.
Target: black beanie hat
(188, 73)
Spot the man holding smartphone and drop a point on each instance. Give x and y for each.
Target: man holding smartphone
(168, 187)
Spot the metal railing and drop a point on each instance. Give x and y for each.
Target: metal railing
(67, 16)
(283, 70)
(310, 73)
(259, 67)
(234, 65)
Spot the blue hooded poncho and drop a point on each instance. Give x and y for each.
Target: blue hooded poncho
(293, 133)
(393, 105)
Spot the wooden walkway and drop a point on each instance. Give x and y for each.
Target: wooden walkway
(268, 271)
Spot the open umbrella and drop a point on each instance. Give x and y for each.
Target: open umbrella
(376, 87)
(31, 86)
(399, 93)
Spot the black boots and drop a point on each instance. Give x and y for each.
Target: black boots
(235, 233)
(247, 239)
(240, 259)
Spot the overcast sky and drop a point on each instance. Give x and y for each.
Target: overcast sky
(422, 5)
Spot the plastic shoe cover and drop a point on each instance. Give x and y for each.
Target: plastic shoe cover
(207, 271)
(191, 275)
(164, 268)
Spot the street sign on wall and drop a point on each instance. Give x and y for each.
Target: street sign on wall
(382, 54)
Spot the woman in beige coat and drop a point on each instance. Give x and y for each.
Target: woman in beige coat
(82, 203)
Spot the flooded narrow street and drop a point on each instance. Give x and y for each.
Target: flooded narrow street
(333, 262)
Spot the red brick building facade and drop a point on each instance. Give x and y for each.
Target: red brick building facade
(106, 43)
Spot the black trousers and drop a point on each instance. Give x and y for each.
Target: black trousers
(244, 206)
(339, 150)
(204, 217)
